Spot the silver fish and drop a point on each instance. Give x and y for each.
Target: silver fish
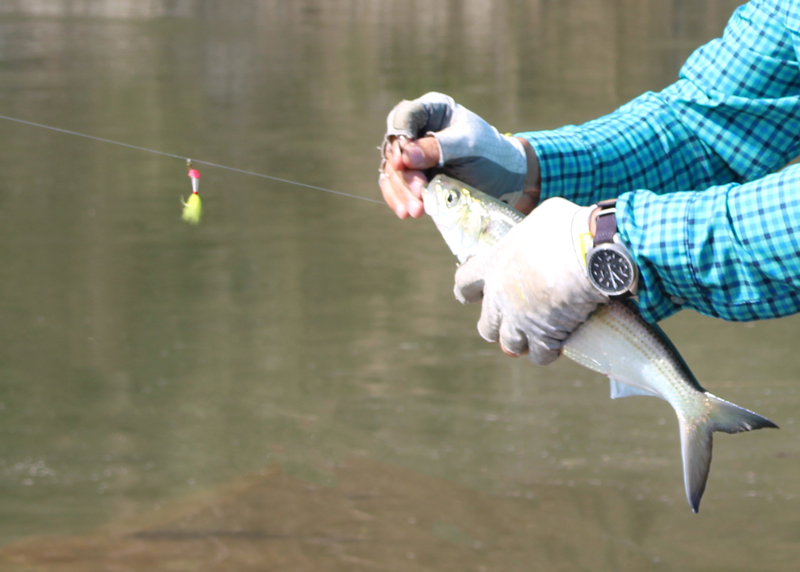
(616, 341)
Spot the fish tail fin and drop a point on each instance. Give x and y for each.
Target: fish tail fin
(697, 440)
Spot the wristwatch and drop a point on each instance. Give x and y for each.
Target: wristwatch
(610, 267)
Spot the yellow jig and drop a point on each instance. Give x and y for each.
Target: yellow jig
(193, 208)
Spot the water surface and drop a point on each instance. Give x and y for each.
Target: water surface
(291, 384)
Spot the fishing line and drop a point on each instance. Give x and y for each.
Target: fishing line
(218, 166)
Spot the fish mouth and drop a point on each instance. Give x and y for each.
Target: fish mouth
(429, 202)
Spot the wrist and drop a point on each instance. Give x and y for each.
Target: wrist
(609, 264)
(531, 192)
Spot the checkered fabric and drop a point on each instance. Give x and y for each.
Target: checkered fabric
(709, 226)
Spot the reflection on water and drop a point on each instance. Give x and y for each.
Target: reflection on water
(382, 516)
(147, 364)
(375, 516)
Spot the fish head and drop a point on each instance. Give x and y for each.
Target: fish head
(457, 213)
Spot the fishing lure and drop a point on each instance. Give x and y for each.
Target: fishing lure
(193, 207)
(192, 198)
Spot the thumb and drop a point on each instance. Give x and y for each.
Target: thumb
(421, 154)
(470, 280)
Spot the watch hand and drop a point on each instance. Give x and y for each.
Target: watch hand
(614, 278)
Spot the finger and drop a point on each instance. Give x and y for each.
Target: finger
(394, 155)
(414, 182)
(470, 281)
(413, 179)
(414, 205)
(391, 198)
(421, 154)
(402, 191)
(508, 352)
(513, 341)
(490, 321)
(415, 156)
(408, 158)
(407, 186)
(541, 354)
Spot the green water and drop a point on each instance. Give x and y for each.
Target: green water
(142, 360)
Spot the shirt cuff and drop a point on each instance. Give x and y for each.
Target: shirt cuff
(653, 227)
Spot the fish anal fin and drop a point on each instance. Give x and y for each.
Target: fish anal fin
(620, 389)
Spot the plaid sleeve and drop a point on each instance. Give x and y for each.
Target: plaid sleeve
(731, 251)
(733, 116)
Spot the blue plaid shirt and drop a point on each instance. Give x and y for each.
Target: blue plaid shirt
(709, 222)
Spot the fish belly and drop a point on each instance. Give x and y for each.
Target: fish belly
(615, 342)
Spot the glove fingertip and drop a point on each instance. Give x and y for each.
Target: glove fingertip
(542, 356)
(514, 345)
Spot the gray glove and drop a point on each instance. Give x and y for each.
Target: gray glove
(471, 150)
(533, 285)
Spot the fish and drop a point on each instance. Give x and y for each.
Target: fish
(637, 356)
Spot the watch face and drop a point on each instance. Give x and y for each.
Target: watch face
(610, 271)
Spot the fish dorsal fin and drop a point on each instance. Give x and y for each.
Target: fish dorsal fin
(620, 389)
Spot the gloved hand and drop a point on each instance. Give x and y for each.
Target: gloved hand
(469, 149)
(532, 283)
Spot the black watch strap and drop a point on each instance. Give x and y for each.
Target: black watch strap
(605, 222)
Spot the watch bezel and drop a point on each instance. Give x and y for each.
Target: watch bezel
(622, 251)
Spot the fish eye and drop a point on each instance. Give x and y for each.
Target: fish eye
(452, 197)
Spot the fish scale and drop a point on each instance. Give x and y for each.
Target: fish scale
(615, 340)
(646, 346)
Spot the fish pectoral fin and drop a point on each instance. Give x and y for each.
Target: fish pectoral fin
(620, 389)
